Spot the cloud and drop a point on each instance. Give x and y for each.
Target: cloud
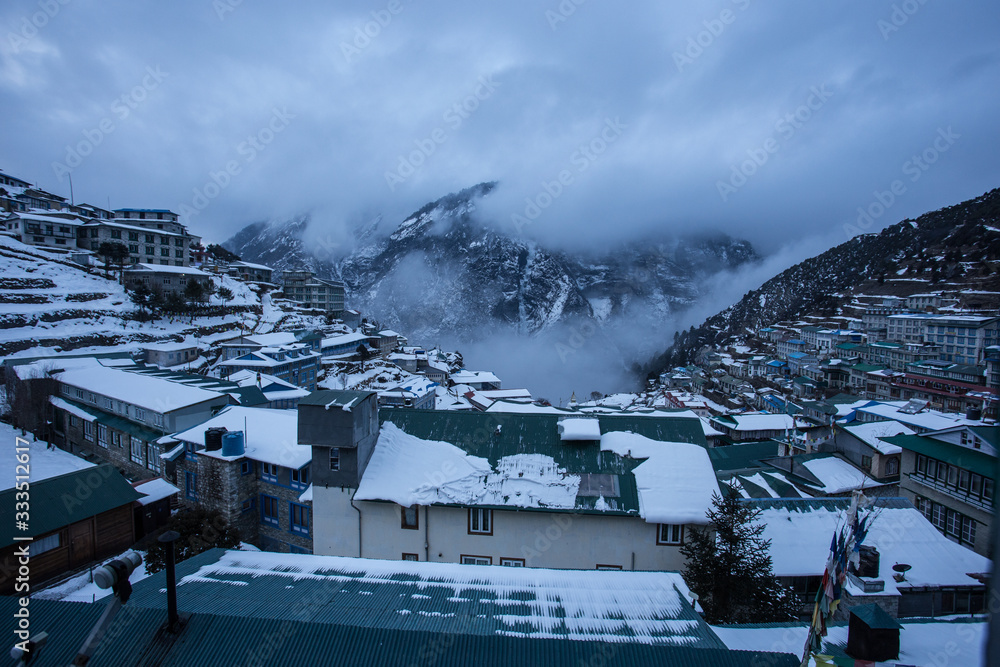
(699, 90)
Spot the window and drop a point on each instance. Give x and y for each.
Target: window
(892, 467)
(968, 531)
(335, 458)
(191, 485)
(409, 517)
(411, 557)
(866, 463)
(512, 562)
(480, 521)
(149, 238)
(153, 460)
(300, 478)
(88, 431)
(102, 435)
(79, 393)
(164, 252)
(963, 480)
(116, 440)
(116, 233)
(269, 472)
(149, 250)
(190, 451)
(140, 415)
(178, 254)
(608, 567)
(246, 468)
(953, 525)
(137, 450)
(134, 249)
(269, 510)
(179, 242)
(670, 534)
(477, 560)
(44, 544)
(300, 518)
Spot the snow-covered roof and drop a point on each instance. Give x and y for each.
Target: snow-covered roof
(270, 436)
(469, 377)
(450, 600)
(45, 460)
(800, 532)
(759, 422)
(675, 483)
(921, 642)
(346, 339)
(410, 471)
(154, 490)
(250, 265)
(837, 475)
(146, 391)
(579, 429)
(164, 268)
(928, 420)
(74, 410)
(872, 433)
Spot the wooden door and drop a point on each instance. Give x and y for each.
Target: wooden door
(81, 543)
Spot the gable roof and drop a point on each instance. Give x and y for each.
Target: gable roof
(480, 443)
(58, 501)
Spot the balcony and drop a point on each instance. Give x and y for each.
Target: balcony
(952, 492)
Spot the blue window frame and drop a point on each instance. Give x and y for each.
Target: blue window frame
(300, 478)
(299, 518)
(268, 509)
(269, 472)
(191, 485)
(189, 451)
(246, 467)
(248, 505)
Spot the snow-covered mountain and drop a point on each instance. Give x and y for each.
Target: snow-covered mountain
(442, 271)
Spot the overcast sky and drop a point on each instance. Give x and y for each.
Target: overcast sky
(647, 111)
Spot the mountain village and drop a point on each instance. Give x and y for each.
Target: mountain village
(382, 496)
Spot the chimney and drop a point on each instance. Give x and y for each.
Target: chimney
(167, 539)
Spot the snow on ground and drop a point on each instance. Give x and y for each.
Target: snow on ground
(924, 643)
(410, 471)
(44, 460)
(676, 482)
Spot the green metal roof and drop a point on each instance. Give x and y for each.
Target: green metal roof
(866, 368)
(742, 457)
(249, 396)
(59, 501)
(956, 455)
(213, 640)
(334, 398)
(476, 433)
(875, 617)
(627, 607)
(990, 434)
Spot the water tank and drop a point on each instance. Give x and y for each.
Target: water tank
(232, 444)
(213, 438)
(974, 414)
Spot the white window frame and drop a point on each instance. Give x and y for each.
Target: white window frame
(136, 450)
(669, 534)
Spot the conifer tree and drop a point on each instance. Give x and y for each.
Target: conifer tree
(729, 566)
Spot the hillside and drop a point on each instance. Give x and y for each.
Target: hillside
(50, 304)
(444, 271)
(956, 249)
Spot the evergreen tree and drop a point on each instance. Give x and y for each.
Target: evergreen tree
(729, 567)
(200, 530)
(225, 294)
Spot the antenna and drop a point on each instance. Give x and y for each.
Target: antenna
(72, 201)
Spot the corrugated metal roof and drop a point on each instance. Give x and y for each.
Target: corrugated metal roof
(630, 607)
(335, 398)
(63, 500)
(830, 504)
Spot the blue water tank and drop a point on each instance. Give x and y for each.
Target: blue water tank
(232, 444)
